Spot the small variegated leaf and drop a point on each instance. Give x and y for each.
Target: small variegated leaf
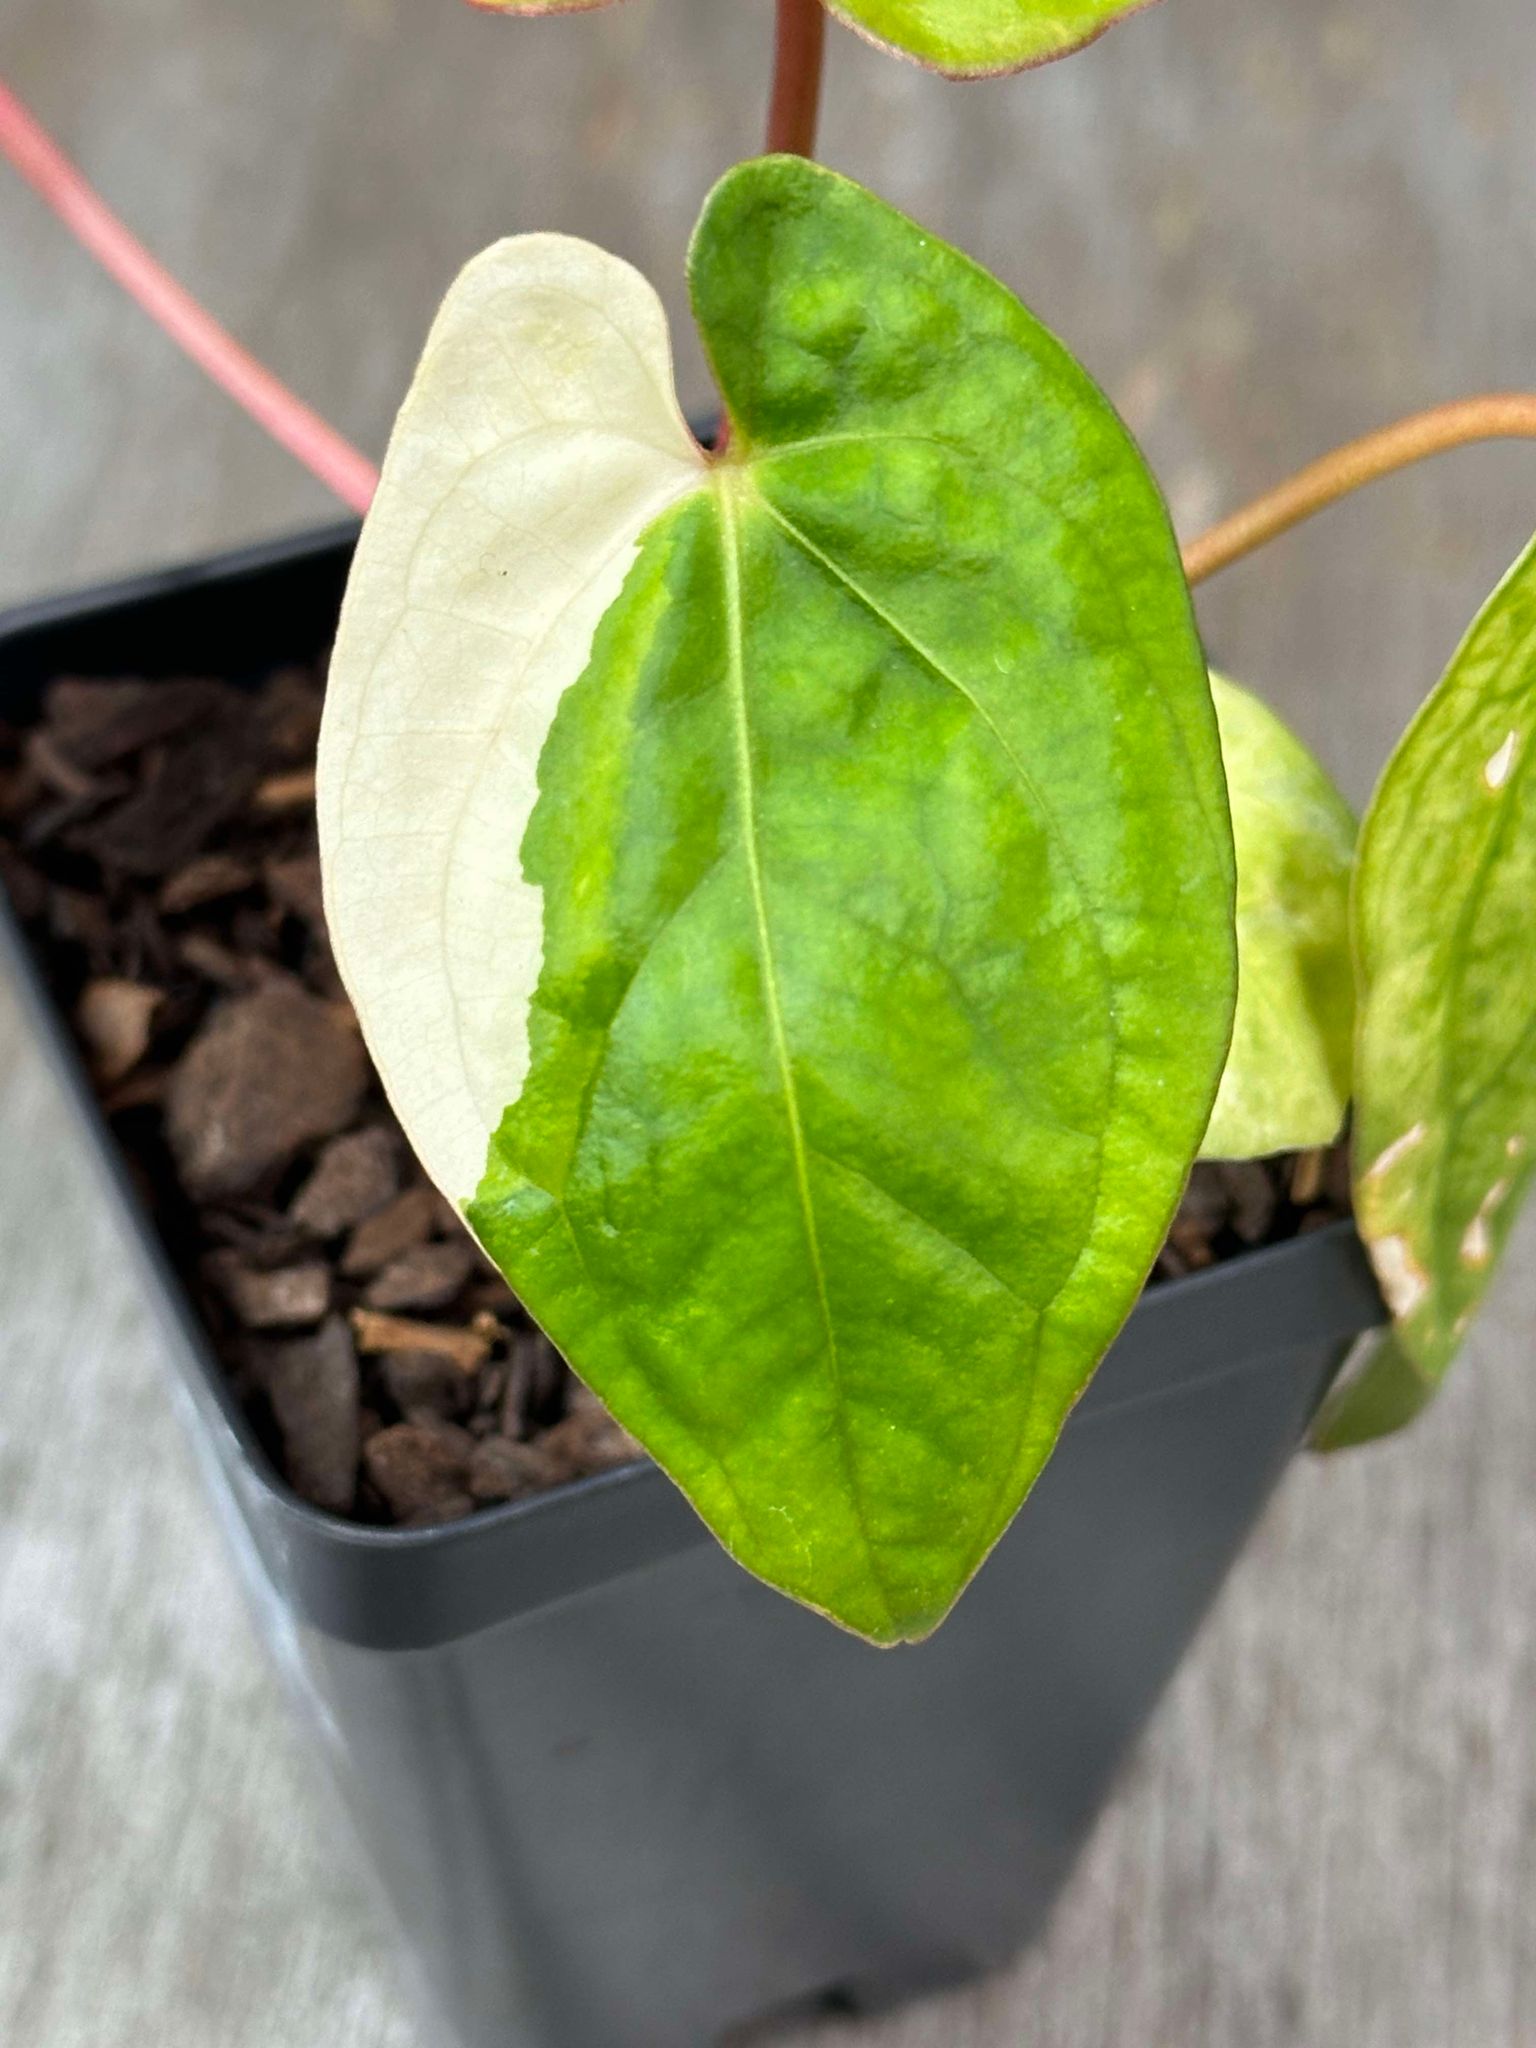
(800, 883)
(980, 38)
(1286, 1081)
(1445, 941)
(961, 38)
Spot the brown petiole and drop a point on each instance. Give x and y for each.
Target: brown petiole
(1494, 416)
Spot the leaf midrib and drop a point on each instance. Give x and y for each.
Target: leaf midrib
(736, 668)
(1027, 783)
(738, 476)
(1021, 772)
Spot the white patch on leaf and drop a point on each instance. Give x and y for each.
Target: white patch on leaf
(1399, 1149)
(1496, 768)
(540, 438)
(1477, 1239)
(1476, 1243)
(1404, 1281)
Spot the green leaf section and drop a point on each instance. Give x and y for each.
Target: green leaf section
(887, 878)
(962, 38)
(979, 38)
(1445, 938)
(1286, 1082)
(1382, 1395)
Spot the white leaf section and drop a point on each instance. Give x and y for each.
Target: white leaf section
(540, 438)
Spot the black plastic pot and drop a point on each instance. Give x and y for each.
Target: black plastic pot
(621, 1795)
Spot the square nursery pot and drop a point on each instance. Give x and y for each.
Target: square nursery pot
(619, 1793)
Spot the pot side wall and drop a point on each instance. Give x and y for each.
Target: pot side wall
(617, 1790)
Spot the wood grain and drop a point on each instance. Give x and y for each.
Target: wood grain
(1266, 227)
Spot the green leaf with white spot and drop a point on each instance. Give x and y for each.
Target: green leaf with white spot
(1286, 1082)
(1445, 938)
(962, 38)
(857, 986)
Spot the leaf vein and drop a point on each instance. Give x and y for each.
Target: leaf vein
(935, 1230)
(731, 557)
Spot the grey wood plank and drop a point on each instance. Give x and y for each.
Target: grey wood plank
(1265, 227)
(170, 1871)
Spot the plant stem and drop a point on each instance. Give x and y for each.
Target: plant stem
(303, 433)
(1496, 415)
(796, 99)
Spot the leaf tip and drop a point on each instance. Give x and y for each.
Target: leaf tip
(1381, 1390)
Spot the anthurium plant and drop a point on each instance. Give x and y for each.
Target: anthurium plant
(811, 904)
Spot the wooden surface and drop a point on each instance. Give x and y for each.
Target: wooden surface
(1265, 226)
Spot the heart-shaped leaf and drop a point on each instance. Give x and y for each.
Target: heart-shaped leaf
(1445, 938)
(1286, 1082)
(859, 997)
(961, 38)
